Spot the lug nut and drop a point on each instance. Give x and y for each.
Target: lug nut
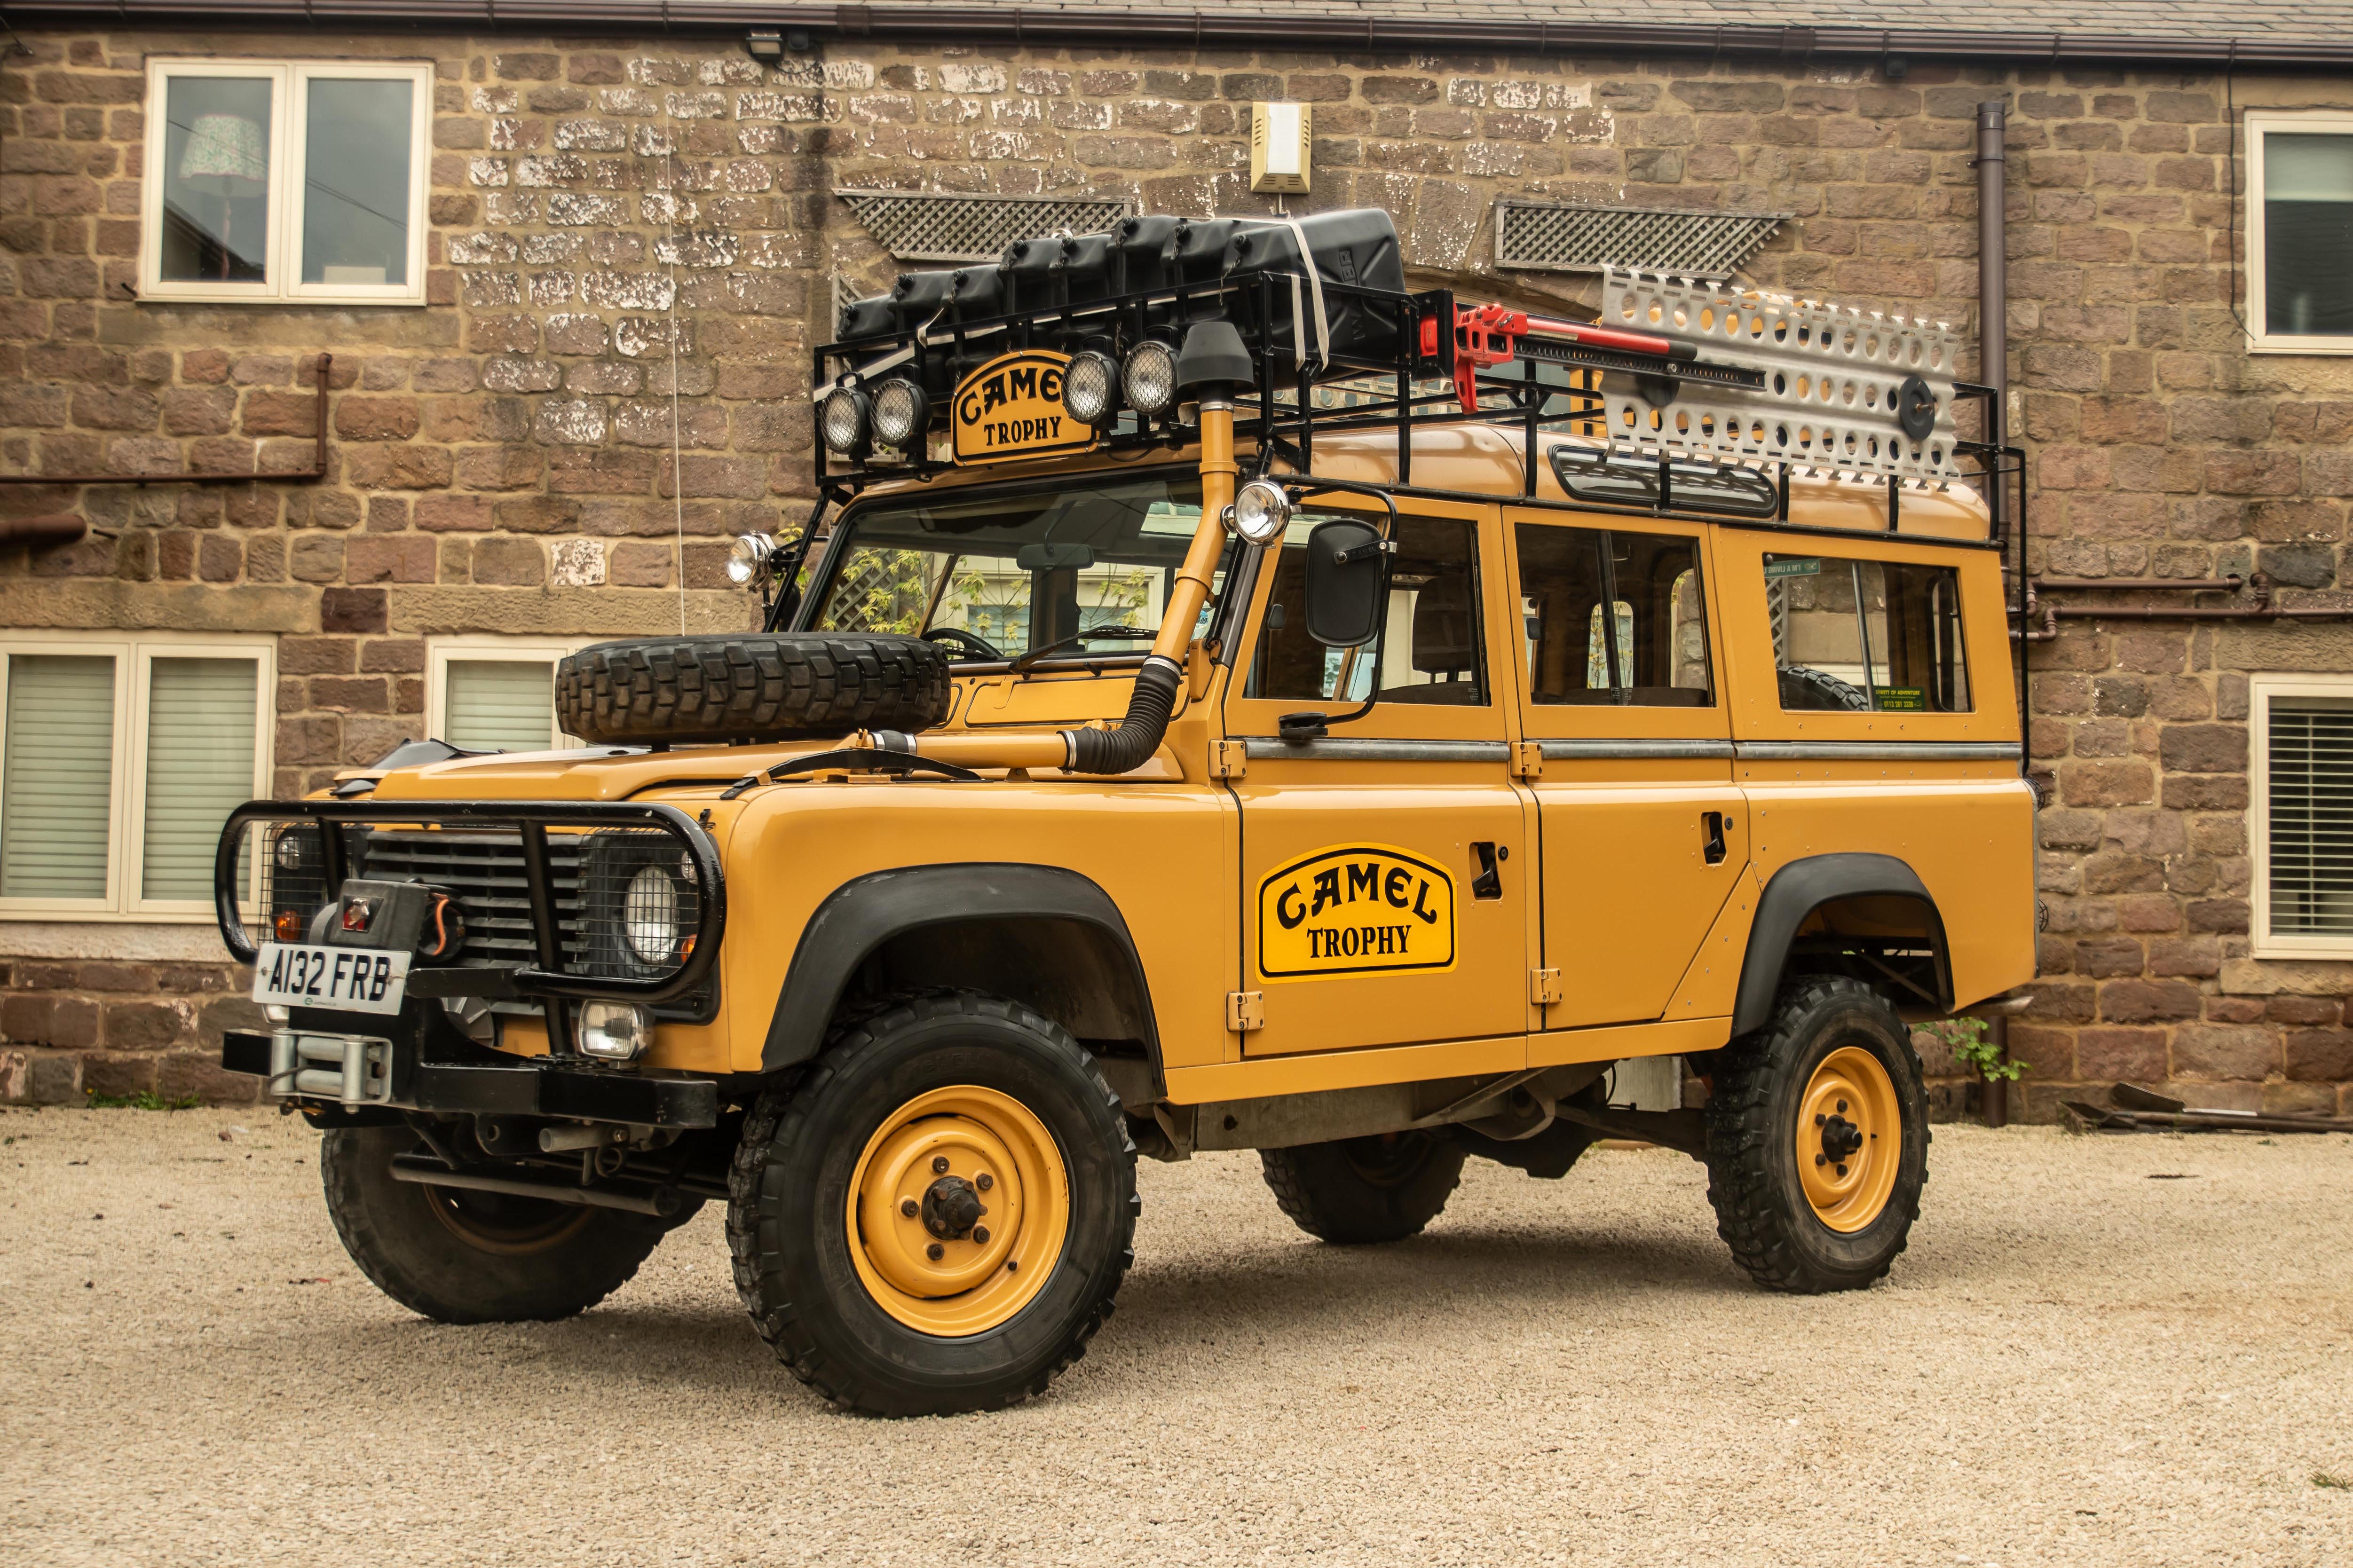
(909, 1207)
(983, 1181)
(1819, 1119)
(1841, 1170)
(980, 1234)
(1012, 1265)
(1821, 1159)
(936, 1252)
(940, 1162)
(1841, 1108)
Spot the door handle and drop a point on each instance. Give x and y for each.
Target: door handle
(1489, 882)
(1711, 828)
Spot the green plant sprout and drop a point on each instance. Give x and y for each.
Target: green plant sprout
(1965, 1038)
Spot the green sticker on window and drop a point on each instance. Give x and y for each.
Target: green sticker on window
(1900, 700)
(1808, 566)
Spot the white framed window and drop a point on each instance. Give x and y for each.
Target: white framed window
(2302, 817)
(121, 756)
(2300, 233)
(495, 694)
(285, 180)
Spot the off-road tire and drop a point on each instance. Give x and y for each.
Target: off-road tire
(1354, 1191)
(409, 1240)
(771, 687)
(1753, 1139)
(1805, 690)
(791, 1190)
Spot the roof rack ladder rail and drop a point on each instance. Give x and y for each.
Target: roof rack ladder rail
(1536, 401)
(547, 937)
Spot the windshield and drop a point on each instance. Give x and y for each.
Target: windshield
(996, 576)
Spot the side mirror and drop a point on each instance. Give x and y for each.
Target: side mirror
(1348, 576)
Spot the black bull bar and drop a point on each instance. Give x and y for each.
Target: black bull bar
(546, 979)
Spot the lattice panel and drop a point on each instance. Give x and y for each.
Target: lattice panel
(1542, 237)
(925, 225)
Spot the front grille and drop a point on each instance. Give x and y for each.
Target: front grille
(483, 871)
(616, 892)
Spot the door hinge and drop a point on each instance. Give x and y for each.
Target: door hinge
(1245, 1011)
(1544, 986)
(1228, 759)
(1528, 759)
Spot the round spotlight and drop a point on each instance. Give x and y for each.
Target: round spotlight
(748, 557)
(1150, 378)
(901, 414)
(1261, 511)
(1090, 388)
(844, 417)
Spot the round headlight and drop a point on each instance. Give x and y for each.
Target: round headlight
(902, 413)
(1150, 378)
(1090, 388)
(289, 852)
(844, 418)
(1261, 511)
(650, 916)
(748, 557)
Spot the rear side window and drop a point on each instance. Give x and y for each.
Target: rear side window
(1613, 617)
(1882, 637)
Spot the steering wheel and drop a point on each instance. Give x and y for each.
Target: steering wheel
(958, 637)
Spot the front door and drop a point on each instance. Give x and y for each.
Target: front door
(1644, 835)
(1386, 866)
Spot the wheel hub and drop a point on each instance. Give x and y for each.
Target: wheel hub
(951, 1207)
(957, 1210)
(1850, 1138)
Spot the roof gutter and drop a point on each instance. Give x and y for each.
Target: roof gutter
(1170, 26)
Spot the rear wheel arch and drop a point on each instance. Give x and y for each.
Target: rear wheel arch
(1866, 887)
(1040, 935)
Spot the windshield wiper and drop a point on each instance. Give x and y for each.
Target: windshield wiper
(1106, 633)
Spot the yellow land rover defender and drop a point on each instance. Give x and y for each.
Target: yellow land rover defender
(1223, 701)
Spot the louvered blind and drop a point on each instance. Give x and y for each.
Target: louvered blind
(57, 784)
(2310, 806)
(200, 744)
(500, 705)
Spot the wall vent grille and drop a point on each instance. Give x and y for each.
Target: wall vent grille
(1541, 237)
(929, 225)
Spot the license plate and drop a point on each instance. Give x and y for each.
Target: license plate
(348, 979)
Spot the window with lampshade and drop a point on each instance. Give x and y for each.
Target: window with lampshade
(293, 182)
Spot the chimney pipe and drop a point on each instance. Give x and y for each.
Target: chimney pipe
(1993, 265)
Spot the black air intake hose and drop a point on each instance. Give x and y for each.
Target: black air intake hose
(1138, 736)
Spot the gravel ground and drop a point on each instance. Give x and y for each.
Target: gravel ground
(2077, 1363)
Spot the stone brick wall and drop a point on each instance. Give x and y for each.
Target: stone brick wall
(623, 232)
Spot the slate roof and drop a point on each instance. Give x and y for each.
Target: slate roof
(2311, 34)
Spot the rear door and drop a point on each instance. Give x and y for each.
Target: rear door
(1644, 834)
(1384, 866)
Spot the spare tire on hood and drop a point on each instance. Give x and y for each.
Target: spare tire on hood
(751, 686)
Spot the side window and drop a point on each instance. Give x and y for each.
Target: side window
(1647, 649)
(1866, 636)
(1430, 649)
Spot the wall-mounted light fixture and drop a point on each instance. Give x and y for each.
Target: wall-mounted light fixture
(765, 45)
(1280, 138)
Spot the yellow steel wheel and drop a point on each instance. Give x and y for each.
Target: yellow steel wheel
(1850, 1138)
(957, 1210)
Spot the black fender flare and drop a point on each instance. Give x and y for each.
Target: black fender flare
(1795, 892)
(864, 912)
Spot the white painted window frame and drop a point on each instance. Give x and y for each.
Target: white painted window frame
(439, 652)
(288, 113)
(2261, 690)
(133, 652)
(2260, 125)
